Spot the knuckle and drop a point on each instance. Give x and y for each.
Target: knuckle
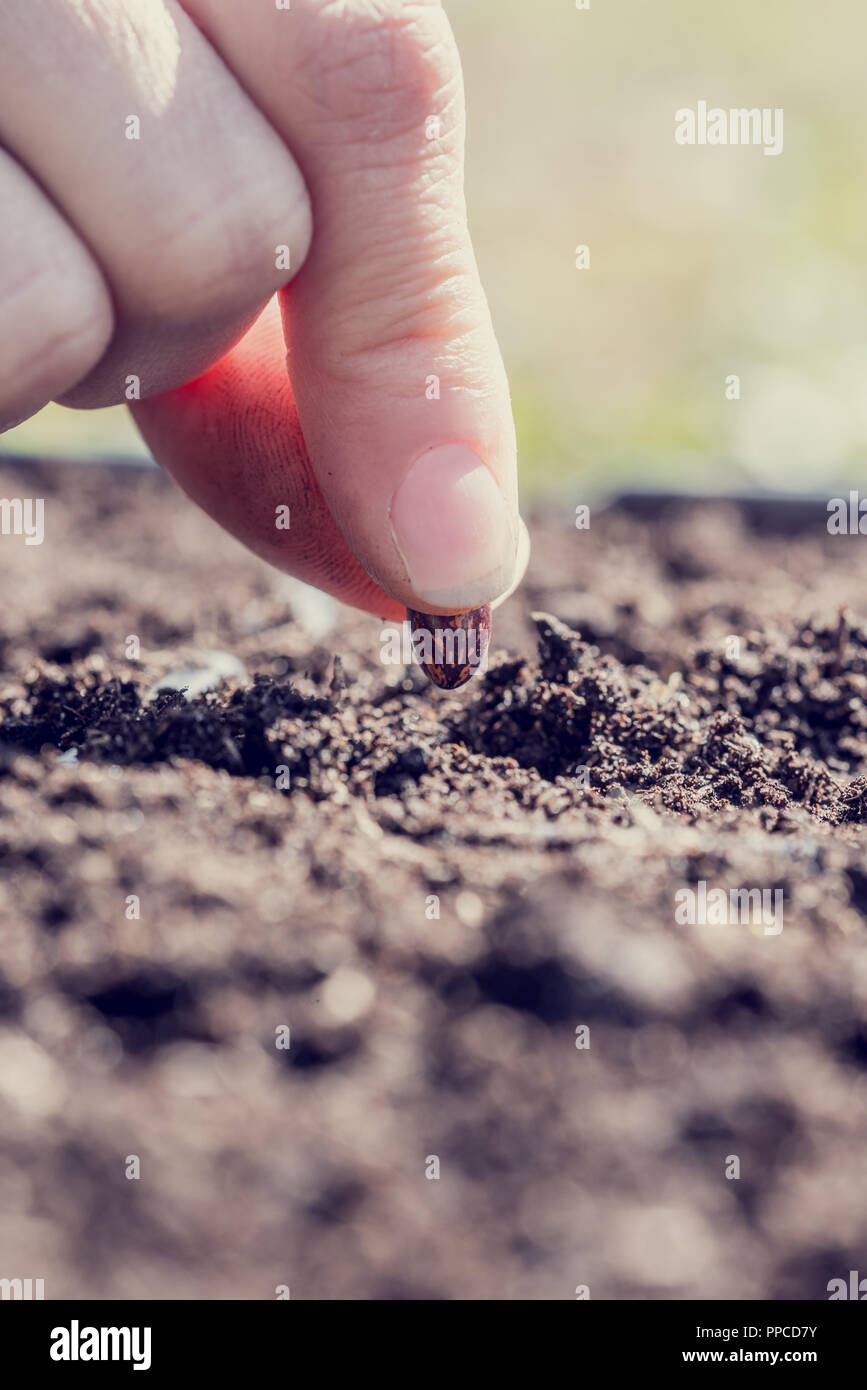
(228, 253)
(412, 329)
(383, 65)
(56, 328)
(434, 305)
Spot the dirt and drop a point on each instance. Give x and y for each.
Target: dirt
(512, 1070)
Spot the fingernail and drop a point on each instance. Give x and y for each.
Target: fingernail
(450, 647)
(453, 529)
(522, 560)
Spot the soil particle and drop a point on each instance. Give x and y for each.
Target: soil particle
(433, 892)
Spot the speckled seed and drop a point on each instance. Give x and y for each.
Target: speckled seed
(449, 648)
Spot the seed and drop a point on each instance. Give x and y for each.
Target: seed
(450, 647)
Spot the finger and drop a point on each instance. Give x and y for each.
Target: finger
(55, 310)
(233, 442)
(166, 169)
(399, 382)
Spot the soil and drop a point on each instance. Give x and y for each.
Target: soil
(440, 895)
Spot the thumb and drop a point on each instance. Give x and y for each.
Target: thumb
(398, 380)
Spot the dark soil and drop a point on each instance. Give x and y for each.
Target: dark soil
(290, 839)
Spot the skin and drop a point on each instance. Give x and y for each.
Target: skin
(334, 129)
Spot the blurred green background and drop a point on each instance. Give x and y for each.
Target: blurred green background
(704, 261)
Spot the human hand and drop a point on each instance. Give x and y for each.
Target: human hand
(147, 260)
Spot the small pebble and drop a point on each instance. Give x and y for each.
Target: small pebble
(206, 675)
